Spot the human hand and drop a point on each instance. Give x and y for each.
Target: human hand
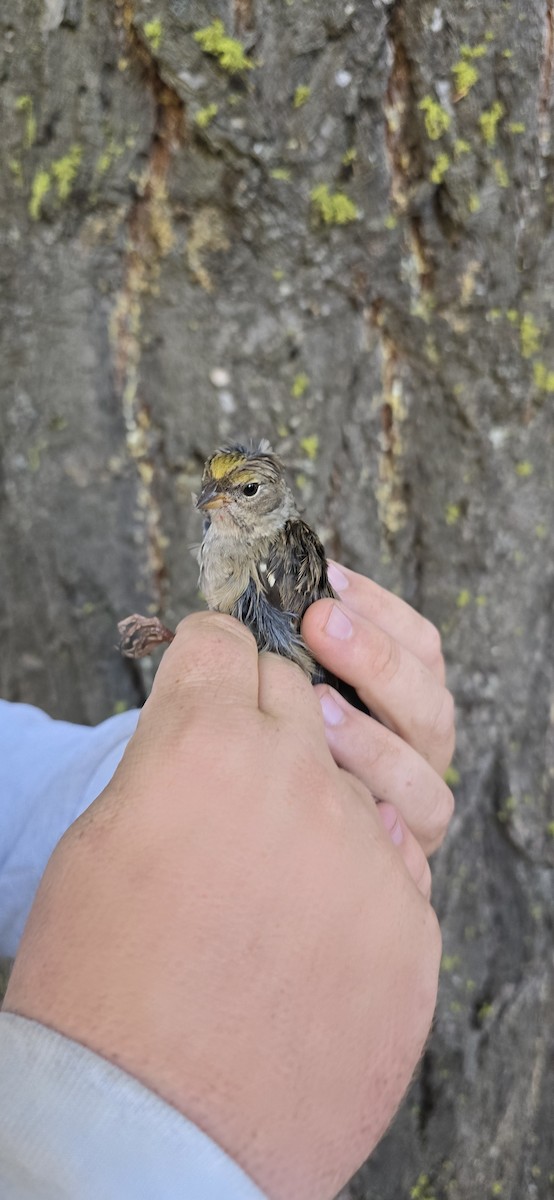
(230, 922)
(392, 657)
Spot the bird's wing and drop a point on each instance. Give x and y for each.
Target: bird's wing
(295, 573)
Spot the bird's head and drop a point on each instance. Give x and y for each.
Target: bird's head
(244, 491)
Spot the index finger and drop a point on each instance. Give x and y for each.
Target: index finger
(212, 662)
(393, 615)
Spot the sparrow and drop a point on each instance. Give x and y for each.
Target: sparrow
(259, 560)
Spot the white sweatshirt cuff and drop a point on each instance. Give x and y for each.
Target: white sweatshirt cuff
(75, 1127)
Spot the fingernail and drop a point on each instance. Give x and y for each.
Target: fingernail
(389, 817)
(337, 580)
(338, 624)
(332, 712)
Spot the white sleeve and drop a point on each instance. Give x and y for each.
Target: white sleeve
(50, 771)
(75, 1127)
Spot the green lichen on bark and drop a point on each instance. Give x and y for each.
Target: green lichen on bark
(301, 95)
(437, 120)
(488, 122)
(465, 77)
(153, 31)
(205, 116)
(40, 187)
(64, 171)
(24, 104)
(333, 208)
(229, 52)
(439, 169)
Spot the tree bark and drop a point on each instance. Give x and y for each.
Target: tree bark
(346, 246)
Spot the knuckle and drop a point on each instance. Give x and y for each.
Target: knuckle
(431, 641)
(383, 657)
(439, 818)
(379, 747)
(442, 723)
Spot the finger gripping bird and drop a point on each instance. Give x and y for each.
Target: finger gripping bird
(259, 561)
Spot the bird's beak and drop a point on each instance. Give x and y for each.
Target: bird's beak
(210, 498)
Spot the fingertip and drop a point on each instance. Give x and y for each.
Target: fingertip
(315, 618)
(338, 576)
(333, 711)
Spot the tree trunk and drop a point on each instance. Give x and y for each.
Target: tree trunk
(344, 244)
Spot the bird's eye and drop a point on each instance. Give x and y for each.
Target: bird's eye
(250, 489)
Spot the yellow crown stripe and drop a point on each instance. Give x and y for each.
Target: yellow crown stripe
(244, 476)
(222, 464)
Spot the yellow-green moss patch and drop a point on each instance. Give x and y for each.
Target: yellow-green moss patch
(205, 116)
(529, 336)
(228, 51)
(500, 173)
(543, 378)
(452, 514)
(473, 51)
(40, 186)
(439, 169)
(488, 122)
(110, 153)
(465, 77)
(436, 118)
(334, 208)
(301, 94)
(420, 1189)
(301, 383)
(65, 170)
(310, 446)
(524, 469)
(153, 31)
(280, 173)
(24, 104)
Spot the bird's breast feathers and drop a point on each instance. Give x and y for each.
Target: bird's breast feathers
(290, 570)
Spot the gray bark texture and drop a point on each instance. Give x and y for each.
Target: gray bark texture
(345, 245)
